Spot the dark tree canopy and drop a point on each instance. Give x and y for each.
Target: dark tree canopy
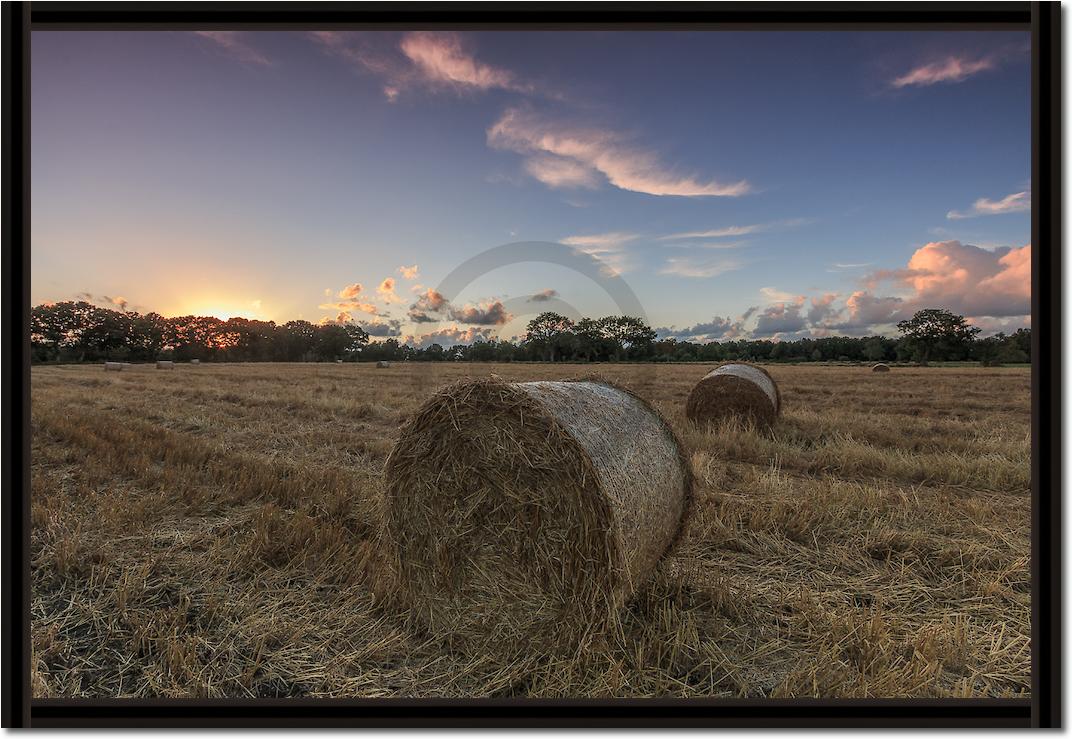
(80, 331)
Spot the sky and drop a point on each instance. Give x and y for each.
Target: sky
(741, 184)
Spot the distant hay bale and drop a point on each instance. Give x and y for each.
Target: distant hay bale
(113, 366)
(165, 364)
(735, 390)
(524, 515)
(338, 361)
(195, 361)
(382, 364)
(880, 368)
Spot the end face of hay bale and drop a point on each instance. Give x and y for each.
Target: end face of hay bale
(529, 512)
(735, 390)
(880, 368)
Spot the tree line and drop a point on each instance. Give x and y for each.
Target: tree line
(82, 332)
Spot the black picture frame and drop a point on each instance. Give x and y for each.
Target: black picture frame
(1044, 709)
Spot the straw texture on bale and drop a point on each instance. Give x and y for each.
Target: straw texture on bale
(528, 513)
(165, 364)
(735, 390)
(382, 364)
(881, 368)
(113, 366)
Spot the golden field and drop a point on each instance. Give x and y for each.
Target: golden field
(211, 531)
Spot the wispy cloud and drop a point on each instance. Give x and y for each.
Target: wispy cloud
(350, 305)
(953, 68)
(543, 296)
(599, 153)
(774, 295)
(608, 248)
(699, 268)
(716, 233)
(410, 273)
(234, 43)
(441, 59)
(1017, 202)
(435, 60)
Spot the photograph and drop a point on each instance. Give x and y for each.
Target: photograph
(433, 361)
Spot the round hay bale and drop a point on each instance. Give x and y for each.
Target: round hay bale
(880, 368)
(165, 364)
(382, 364)
(195, 361)
(528, 513)
(113, 366)
(735, 390)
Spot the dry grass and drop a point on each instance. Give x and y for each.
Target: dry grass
(211, 532)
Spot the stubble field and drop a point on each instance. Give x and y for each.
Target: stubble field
(212, 531)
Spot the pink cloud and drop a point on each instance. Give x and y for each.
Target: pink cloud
(410, 273)
(234, 43)
(351, 305)
(598, 152)
(441, 59)
(951, 69)
(489, 314)
(351, 291)
(448, 337)
(1017, 202)
(386, 291)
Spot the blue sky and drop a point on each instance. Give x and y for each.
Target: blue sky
(742, 183)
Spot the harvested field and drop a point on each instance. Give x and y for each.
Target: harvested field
(212, 533)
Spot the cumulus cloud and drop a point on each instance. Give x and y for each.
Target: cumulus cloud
(410, 273)
(822, 308)
(543, 296)
(448, 337)
(235, 44)
(489, 314)
(963, 278)
(381, 328)
(599, 152)
(386, 291)
(430, 301)
(699, 268)
(781, 318)
(349, 292)
(1017, 202)
(717, 329)
(953, 68)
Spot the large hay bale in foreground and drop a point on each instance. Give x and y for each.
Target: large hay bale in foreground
(382, 364)
(165, 364)
(880, 368)
(735, 390)
(524, 515)
(113, 366)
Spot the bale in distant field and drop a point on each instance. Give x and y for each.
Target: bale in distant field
(195, 361)
(880, 368)
(113, 366)
(382, 364)
(527, 514)
(165, 364)
(742, 390)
